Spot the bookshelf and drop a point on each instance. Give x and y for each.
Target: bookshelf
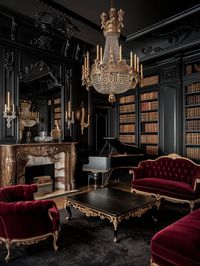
(149, 116)
(127, 119)
(55, 107)
(192, 114)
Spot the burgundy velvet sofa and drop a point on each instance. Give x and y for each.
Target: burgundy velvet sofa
(179, 243)
(171, 177)
(24, 220)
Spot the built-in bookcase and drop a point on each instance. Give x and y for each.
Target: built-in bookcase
(192, 111)
(149, 115)
(127, 119)
(55, 108)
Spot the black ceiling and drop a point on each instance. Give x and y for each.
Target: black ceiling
(139, 14)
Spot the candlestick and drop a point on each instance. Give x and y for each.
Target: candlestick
(135, 61)
(69, 108)
(137, 68)
(131, 59)
(97, 52)
(87, 60)
(141, 71)
(8, 101)
(101, 55)
(120, 53)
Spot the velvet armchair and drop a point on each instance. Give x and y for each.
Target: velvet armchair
(24, 220)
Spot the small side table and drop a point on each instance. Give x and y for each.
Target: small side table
(94, 174)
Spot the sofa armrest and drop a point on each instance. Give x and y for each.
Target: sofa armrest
(137, 172)
(25, 207)
(195, 182)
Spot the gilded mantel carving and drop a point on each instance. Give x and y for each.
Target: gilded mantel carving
(11, 160)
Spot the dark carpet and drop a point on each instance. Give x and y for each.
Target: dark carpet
(89, 241)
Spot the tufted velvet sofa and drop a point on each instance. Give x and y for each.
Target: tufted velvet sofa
(178, 243)
(171, 177)
(24, 220)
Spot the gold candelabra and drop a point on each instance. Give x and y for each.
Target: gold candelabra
(69, 116)
(9, 112)
(82, 122)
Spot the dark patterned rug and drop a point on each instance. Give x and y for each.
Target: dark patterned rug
(89, 241)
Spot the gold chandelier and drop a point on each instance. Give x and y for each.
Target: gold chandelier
(110, 74)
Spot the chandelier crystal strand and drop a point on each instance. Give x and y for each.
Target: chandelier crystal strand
(110, 74)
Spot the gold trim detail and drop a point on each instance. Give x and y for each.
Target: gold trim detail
(28, 241)
(153, 263)
(171, 199)
(115, 220)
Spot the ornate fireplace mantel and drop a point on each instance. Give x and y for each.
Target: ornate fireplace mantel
(11, 155)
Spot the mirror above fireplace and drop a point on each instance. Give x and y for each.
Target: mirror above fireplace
(40, 105)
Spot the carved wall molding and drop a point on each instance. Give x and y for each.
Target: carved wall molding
(173, 36)
(9, 63)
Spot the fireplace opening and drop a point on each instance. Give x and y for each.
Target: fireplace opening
(43, 175)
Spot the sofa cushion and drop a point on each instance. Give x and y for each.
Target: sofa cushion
(165, 187)
(179, 243)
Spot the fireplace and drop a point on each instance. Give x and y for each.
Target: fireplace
(43, 175)
(15, 157)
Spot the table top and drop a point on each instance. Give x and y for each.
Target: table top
(111, 201)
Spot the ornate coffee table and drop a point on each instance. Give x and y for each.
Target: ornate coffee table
(112, 204)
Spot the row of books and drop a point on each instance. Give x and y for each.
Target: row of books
(195, 87)
(192, 112)
(150, 127)
(151, 150)
(192, 125)
(127, 128)
(151, 116)
(148, 106)
(149, 96)
(193, 153)
(150, 80)
(127, 138)
(149, 139)
(127, 108)
(193, 138)
(128, 118)
(193, 99)
(127, 99)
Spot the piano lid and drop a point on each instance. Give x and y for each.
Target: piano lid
(121, 147)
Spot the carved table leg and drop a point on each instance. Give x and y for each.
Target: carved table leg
(69, 212)
(115, 224)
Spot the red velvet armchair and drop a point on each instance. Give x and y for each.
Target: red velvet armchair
(173, 178)
(24, 220)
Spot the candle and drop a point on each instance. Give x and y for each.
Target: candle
(69, 108)
(97, 52)
(85, 64)
(135, 61)
(87, 60)
(83, 114)
(101, 55)
(72, 115)
(66, 116)
(137, 64)
(5, 109)
(131, 59)
(141, 71)
(83, 70)
(8, 101)
(120, 53)
(88, 119)
(13, 107)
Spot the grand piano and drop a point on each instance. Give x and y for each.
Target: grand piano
(118, 155)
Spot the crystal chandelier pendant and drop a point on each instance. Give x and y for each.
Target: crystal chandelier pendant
(110, 74)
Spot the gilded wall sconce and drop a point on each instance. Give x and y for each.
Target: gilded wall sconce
(83, 123)
(9, 112)
(69, 116)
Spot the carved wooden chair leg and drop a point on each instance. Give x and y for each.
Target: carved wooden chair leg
(55, 238)
(8, 246)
